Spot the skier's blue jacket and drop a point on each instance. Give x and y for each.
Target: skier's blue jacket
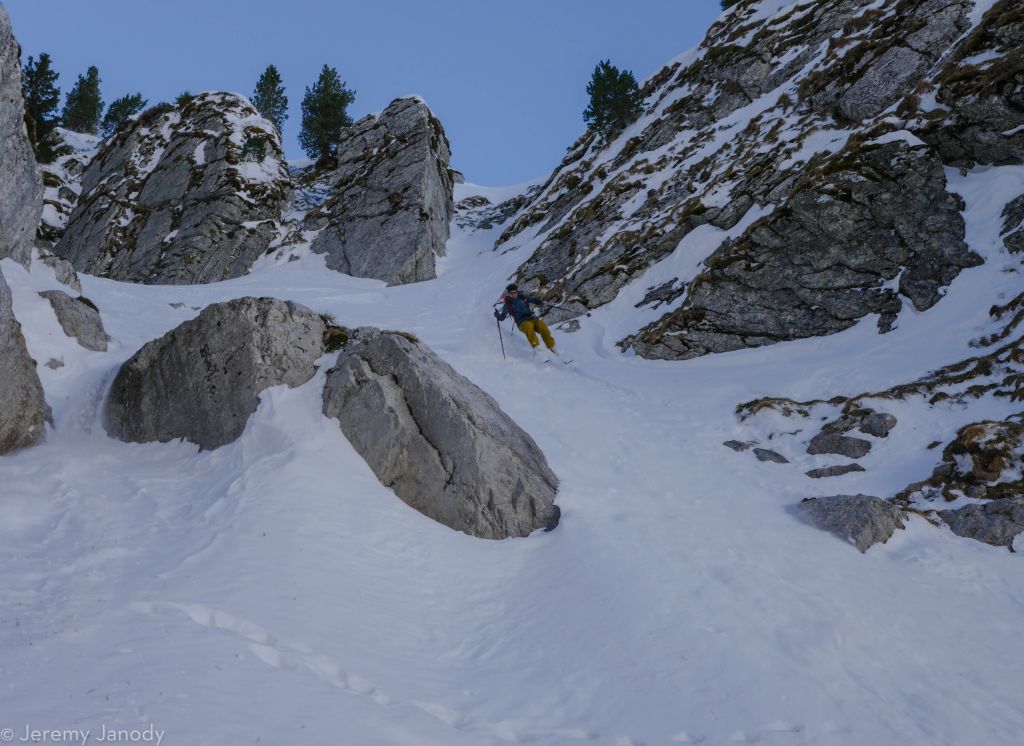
(519, 307)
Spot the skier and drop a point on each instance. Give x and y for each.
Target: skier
(517, 305)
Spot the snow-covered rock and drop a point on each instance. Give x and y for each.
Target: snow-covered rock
(23, 409)
(79, 318)
(62, 181)
(746, 205)
(862, 520)
(443, 445)
(20, 188)
(202, 380)
(181, 197)
(390, 197)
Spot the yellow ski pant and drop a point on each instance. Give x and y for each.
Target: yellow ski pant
(531, 327)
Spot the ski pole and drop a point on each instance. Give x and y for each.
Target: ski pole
(500, 338)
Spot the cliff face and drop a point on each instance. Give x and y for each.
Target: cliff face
(20, 189)
(180, 197)
(753, 201)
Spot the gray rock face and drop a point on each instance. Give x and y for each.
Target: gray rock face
(79, 318)
(861, 520)
(444, 446)
(173, 199)
(23, 409)
(842, 445)
(996, 522)
(1013, 226)
(202, 380)
(981, 93)
(866, 216)
(886, 61)
(21, 192)
(387, 216)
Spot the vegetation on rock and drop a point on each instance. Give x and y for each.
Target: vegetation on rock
(269, 98)
(325, 114)
(120, 112)
(84, 104)
(615, 99)
(42, 96)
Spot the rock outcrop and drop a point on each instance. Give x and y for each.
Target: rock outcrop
(181, 197)
(444, 446)
(867, 216)
(79, 318)
(23, 409)
(20, 189)
(862, 520)
(390, 197)
(984, 463)
(201, 381)
(977, 486)
(745, 193)
(979, 116)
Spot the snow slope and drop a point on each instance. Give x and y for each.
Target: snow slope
(273, 592)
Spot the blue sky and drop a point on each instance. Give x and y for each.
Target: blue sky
(507, 79)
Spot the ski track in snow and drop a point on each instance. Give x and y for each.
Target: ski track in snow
(272, 591)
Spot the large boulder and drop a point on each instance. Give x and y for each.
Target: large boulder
(444, 446)
(23, 409)
(181, 197)
(202, 380)
(79, 318)
(387, 216)
(21, 192)
(861, 520)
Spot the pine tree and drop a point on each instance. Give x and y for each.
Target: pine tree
(120, 112)
(41, 94)
(84, 105)
(269, 99)
(324, 114)
(615, 99)
(728, 3)
(184, 98)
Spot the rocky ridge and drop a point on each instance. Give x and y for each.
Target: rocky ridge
(788, 115)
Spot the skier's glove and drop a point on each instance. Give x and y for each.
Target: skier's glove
(497, 314)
